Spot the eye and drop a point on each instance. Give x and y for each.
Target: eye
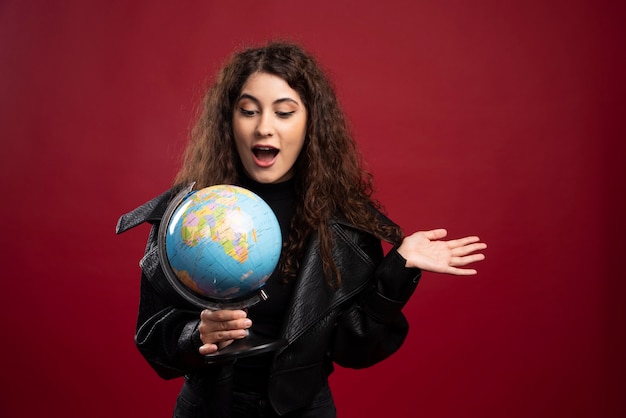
(247, 113)
(285, 115)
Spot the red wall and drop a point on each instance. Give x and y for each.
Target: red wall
(495, 117)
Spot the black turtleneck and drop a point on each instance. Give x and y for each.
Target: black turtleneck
(267, 316)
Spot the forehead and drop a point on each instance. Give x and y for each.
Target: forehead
(264, 86)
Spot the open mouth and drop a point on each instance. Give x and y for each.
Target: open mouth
(264, 154)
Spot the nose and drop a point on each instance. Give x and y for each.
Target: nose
(265, 127)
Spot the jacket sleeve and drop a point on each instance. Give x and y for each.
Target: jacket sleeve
(167, 333)
(167, 329)
(372, 327)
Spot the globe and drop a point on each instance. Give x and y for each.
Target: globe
(219, 245)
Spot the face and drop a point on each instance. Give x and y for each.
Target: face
(269, 124)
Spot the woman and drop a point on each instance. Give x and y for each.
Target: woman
(271, 123)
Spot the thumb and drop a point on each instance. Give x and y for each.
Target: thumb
(435, 234)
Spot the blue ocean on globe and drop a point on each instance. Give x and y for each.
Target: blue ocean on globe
(223, 242)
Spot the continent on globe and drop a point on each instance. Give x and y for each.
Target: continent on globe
(222, 242)
(216, 223)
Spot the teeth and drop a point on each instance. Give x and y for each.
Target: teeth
(264, 153)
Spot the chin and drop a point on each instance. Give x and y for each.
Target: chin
(263, 178)
(272, 178)
(269, 176)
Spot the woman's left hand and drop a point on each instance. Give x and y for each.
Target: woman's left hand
(425, 250)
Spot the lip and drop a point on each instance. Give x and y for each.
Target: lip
(264, 163)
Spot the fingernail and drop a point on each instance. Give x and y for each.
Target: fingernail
(247, 323)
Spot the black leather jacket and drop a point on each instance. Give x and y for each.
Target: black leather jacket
(355, 326)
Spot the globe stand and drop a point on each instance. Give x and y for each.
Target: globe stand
(252, 344)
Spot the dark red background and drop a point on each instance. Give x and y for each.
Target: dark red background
(498, 118)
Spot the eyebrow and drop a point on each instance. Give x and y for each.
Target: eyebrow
(257, 101)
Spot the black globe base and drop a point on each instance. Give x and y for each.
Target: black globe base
(251, 345)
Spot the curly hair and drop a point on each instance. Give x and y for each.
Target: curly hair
(329, 176)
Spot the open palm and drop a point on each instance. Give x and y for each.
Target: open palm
(426, 250)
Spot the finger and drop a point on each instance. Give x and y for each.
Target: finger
(239, 324)
(461, 272)
(435, 234)
(223, 315)
(212, 348)
(461, 242)
(221, 336)
(467, 249)
(235, 334)
(223, 344)
(208, 349)
(468, 259)
(208, 327)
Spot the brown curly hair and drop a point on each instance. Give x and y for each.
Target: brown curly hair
(329, 176)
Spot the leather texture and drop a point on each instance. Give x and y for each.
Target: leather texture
(151, 211)
(356, 326)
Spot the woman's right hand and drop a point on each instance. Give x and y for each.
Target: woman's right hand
(220, 328)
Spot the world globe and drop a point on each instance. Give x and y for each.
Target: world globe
(219, 245)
